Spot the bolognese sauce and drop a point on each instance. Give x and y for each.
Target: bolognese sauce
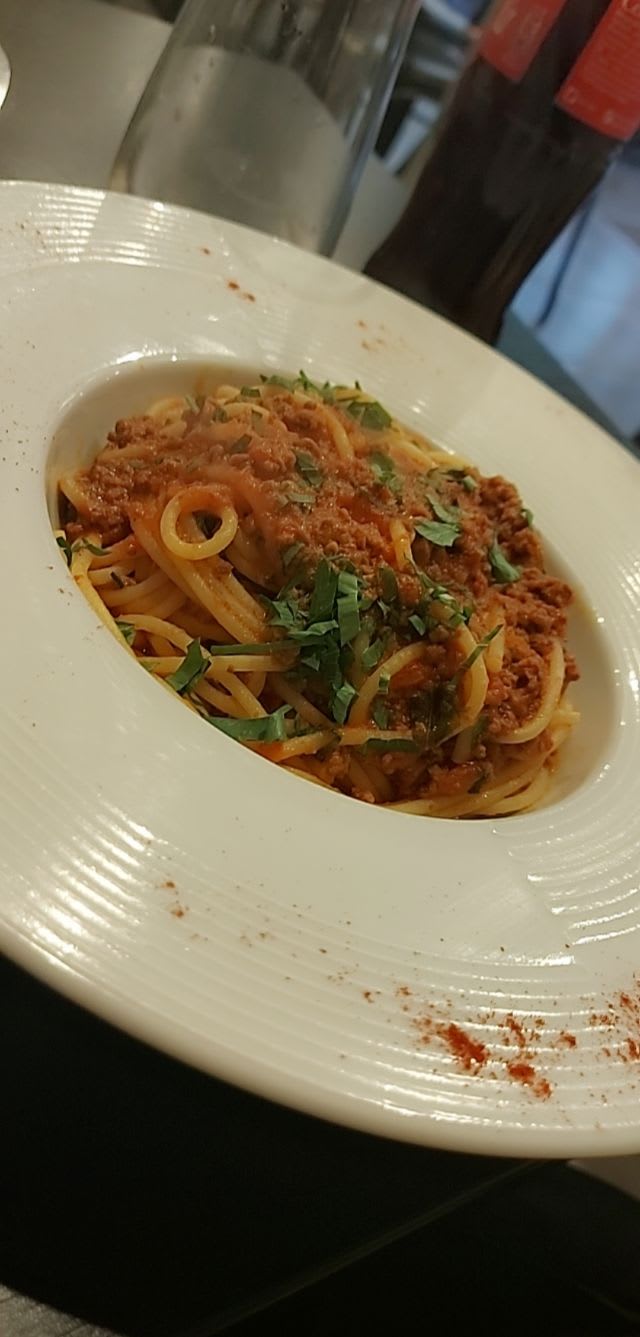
(324, 585)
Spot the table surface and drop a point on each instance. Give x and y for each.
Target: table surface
(144, 1197)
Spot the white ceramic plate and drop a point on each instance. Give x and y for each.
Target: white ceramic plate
(280, 936)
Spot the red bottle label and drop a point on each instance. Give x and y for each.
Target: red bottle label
(603, 88)
(514, 33)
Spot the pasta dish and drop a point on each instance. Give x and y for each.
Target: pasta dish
(322, 584)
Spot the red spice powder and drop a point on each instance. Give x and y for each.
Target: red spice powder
(470, 1053)
(567, 1040)
(624, 1013)
(526, 1074)
(516, 1029)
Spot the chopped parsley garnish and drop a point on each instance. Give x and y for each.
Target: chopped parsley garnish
(478, 650)
(127, 630)
(314, 632)
(192, 668)
(250, 392)
(370, 414)
(449, 515)
(478, 729)
(265, 729)
(341, 700)
(301, 498)
(383, 470)
(372, 655)
(469, 483)
(289, 554)
(70, 548)
(240, 445)
(250, 648)
(388, 584)
(321, 625)
(391, 745)
(324, 592)
(527, 516)
(347, 607)
(440, 532)
(65, 547)
(418, 623)
(117, 580)
(380, 714)
(308, 467)
(445, 529)
(504, 573)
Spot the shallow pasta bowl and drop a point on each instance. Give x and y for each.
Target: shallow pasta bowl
(469, 985)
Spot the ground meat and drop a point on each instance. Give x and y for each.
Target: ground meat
(295, 492)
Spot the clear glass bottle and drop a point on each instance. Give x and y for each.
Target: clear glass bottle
(264, 111)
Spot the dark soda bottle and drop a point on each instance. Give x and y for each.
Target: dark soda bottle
(550, 94)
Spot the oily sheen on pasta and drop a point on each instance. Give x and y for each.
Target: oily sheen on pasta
(320, 583)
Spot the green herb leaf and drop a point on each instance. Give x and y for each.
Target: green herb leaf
(347, 606)
(325, 588)
(285, 612)
(69, 548)
(313, 632)
(250, 648)
(504, 573)
(127, 630)
(192, 668)
(374, 417)
(380, 714)
(311, 660)
(442, 533)
(527, 516)
(301, 498)
(450, 515)
(265, 729)
(390, 745)
(239, 446)
(191, 403)
(278, 380)
(372, 655)
(289, 554)
(250, 392)
(383, 470)
(308, 467)
(65, 547)
(388, 584)
(479, 728)
(370, 415)
(341, 700)
(475, 653)
(418, 623)
(117, 580)
(476, 787)
(469, 483)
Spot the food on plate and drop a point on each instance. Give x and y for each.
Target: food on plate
(320, 583)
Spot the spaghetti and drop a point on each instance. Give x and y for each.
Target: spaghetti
(323, 585)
